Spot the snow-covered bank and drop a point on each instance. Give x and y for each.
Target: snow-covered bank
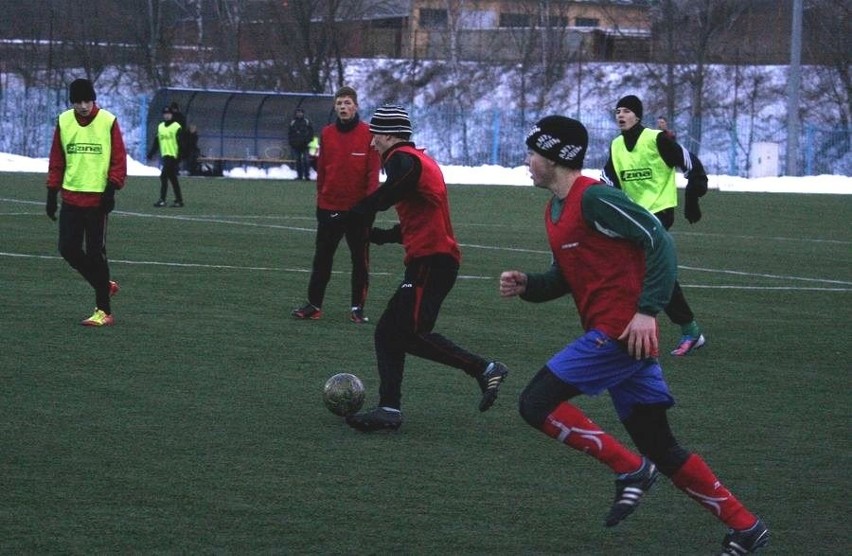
(495, 175)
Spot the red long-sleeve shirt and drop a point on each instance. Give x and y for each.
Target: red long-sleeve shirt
(117, 173)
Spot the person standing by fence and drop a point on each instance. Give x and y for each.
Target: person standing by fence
(299, 135)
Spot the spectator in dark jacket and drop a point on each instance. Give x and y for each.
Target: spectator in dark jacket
(190, 150)
(299, 136)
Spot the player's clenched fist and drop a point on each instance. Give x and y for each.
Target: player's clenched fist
(512, 283)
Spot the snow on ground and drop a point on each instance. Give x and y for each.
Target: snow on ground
(495, 175)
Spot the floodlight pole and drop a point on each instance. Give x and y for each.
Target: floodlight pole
(793, 92)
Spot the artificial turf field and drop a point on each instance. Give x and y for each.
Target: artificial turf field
(195, 425)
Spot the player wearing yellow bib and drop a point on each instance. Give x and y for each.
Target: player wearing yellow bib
(642, 163)
(88, 163)
(167, 142)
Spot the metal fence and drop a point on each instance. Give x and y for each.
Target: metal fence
(250, 124)
(497, 137)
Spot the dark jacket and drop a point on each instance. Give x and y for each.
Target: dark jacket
(300, 132)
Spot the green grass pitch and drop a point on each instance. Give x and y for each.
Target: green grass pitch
(195, 425)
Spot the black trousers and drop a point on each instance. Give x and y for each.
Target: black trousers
(169, 173)
(82, 243)
(406, 326)
(332, 226)
(303, 163)
(678, 309)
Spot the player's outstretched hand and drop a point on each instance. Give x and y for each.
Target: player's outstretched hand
(512, 283)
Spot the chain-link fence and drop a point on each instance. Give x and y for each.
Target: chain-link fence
(497, 137)
(28, 118)
(472, 138)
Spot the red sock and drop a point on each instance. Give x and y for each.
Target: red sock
(697, 480)
(569, 425)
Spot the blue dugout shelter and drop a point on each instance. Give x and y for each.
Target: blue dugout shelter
(240, 127)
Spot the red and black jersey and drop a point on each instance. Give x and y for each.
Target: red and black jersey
(415, 187)
(424, 215)
(347, 167)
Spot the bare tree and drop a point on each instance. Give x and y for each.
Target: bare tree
(692, 34)
(669, 86)
(831, 21)
(309, 40)
(546, 49)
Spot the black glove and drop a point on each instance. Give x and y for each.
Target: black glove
(691, 209)
(108, 198)
(380, 236)
(697, 185)
(52, 204)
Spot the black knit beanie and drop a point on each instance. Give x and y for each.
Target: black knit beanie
(391, 119)
(81, 90)
(560, 139)
(632, 103)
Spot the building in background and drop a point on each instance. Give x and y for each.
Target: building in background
(499, 31)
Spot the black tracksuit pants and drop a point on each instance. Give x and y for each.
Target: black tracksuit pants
(169, 173)
(678, 309)
(332, 226)
(86, 226)
(406, 326)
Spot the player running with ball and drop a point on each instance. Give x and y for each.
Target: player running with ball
(619, 264)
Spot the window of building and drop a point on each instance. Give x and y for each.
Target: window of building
(586, 22)
(433, 19)
(515, 20)
(477, 19)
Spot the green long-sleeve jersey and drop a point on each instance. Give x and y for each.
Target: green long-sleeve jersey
(608, 251)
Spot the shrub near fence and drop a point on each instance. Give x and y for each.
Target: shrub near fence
(457, 137)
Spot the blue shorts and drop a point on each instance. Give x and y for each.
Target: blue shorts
(595, 362)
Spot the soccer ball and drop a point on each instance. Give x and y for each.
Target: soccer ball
(343, 394)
